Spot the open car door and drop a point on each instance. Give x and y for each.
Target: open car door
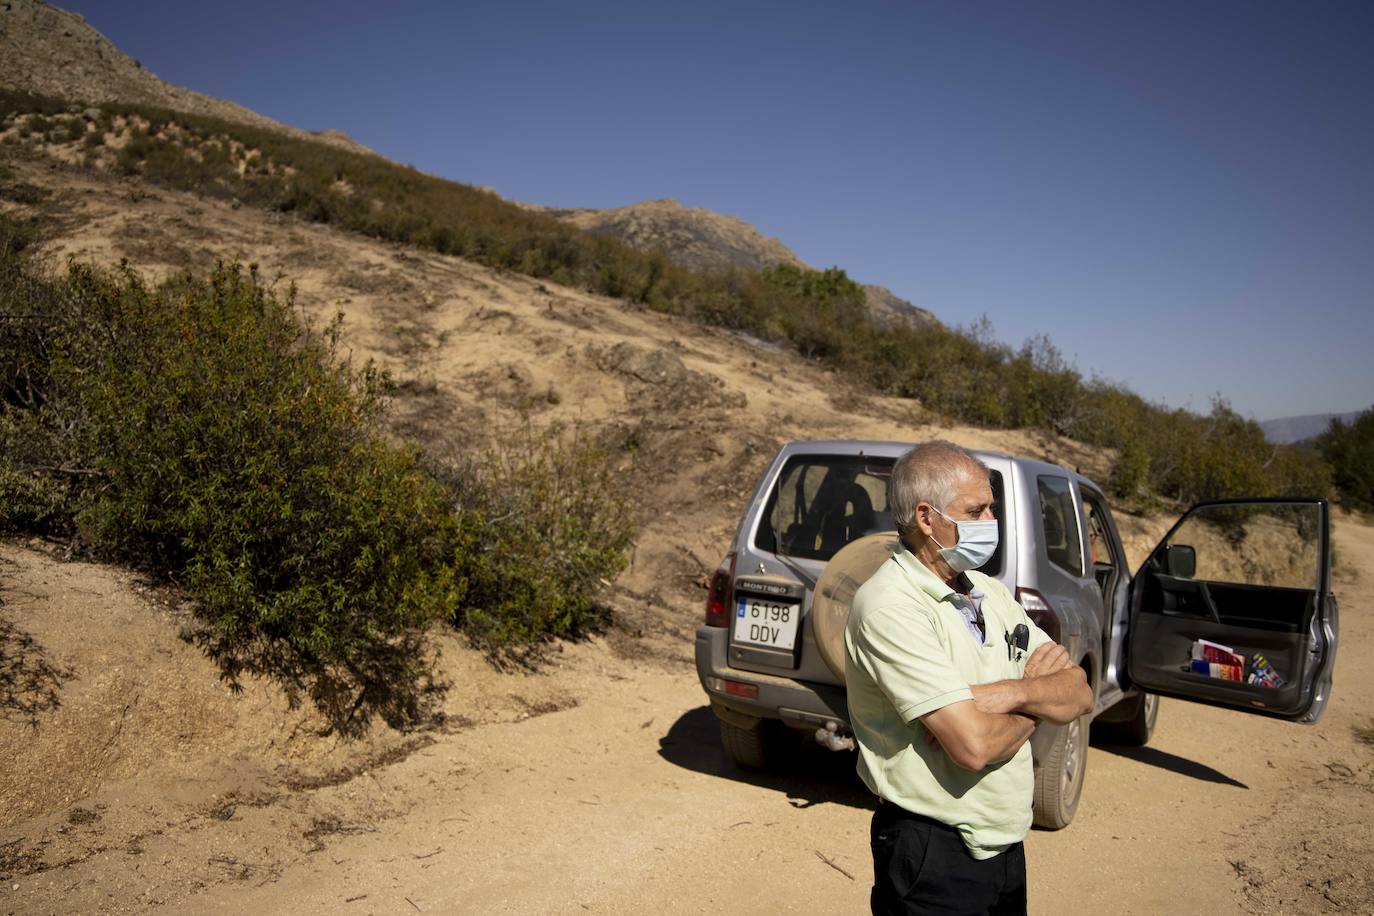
(1234, 608)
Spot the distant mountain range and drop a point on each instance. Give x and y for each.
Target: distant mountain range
(1285, 430)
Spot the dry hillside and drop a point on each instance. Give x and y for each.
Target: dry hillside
(49, 51)
(696, 411)
(52, 52)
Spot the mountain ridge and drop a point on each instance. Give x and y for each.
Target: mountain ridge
(1287, 430)
(52, 52)
(694, 237)
(702, 239)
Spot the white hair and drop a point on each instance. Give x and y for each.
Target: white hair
(929, 473)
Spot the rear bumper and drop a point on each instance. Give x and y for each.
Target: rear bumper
(803, 705)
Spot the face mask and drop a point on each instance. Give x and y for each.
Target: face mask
(977, 544)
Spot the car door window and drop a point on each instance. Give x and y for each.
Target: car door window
(1267, 545)
(1101, 551)
(1059, 524)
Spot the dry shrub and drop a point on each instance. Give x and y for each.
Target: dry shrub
(551, 526)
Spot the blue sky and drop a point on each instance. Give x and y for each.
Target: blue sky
(1181, 195)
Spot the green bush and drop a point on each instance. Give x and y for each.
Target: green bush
(1349, 447)
(40, 124)
(1130, 473)
(815, 310)
(35, 482)
(199, 431)
(549, 525)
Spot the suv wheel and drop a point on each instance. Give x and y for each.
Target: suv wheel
(1136, 730)
(759, 747)
(1059, 782)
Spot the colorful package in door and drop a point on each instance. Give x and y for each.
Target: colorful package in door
(1206, 650)
(1262, 673)
(1216, 670)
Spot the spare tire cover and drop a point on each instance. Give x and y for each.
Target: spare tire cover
(846, 571)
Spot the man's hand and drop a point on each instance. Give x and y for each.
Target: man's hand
(1048, 658)
(998, 697)
(1008, 696)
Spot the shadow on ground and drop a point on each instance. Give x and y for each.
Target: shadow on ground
(30, 682)
(811, 776)
(393, 680)
(1154, 757)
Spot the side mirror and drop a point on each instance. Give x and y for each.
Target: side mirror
(1180, 560)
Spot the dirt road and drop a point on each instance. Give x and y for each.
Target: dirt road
(624, 803)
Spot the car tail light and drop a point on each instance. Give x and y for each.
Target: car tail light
(718, 600)
(741, 689)
(1039, 611)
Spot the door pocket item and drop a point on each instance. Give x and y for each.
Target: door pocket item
(1223, 663)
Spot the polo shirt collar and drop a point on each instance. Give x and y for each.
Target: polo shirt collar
(924, 578)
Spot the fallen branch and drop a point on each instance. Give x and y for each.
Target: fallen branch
(831, 862)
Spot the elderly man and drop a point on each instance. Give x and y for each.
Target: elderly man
(942, 703)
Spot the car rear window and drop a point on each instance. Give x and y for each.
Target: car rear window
(822, 502)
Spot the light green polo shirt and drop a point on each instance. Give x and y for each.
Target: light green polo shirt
(908, 652)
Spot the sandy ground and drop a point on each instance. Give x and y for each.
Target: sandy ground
(132, 779)
(621, 801)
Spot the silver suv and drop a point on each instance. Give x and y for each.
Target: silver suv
(1249, 576)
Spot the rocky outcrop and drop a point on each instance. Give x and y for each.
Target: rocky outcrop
(702, 239)
(695, 238)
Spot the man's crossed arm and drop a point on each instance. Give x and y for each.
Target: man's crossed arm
(1001, 716)
(1052, 688)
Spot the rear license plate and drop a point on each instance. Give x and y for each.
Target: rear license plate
(763, 622)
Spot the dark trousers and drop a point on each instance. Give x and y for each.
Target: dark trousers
(922, 866)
